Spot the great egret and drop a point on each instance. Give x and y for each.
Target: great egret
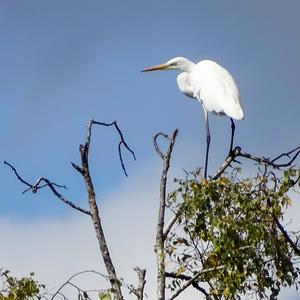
(212, 85)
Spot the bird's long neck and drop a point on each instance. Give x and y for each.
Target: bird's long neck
(183, 79)
(187, 66)
(184, 84)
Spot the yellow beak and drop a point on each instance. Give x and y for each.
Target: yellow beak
(155, 68)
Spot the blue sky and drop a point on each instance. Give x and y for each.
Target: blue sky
(63, 62)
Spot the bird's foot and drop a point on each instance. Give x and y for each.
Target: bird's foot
(233, 153)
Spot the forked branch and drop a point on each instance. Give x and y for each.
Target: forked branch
(274, 163)
(94, 211)
(122, 142)
(188, 281)
(83, 169)
(47, 183)
(69, 282)
(139, 291)
(160, 238)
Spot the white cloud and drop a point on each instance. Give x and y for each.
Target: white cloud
(57, 248)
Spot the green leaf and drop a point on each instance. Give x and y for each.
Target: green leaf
(227, 226)
(104, 296)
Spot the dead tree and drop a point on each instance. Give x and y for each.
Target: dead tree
(93, 211)
(164, 228)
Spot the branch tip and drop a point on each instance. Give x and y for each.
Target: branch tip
(122, 142)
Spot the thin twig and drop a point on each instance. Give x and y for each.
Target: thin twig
(286, 236)
(35, 187)
(62, 198)
(17, 174)
(237, 152)
(159, 152)
(267, 161)
(172, 221)
(287, 154)
(185, 286)
(121, 158)
(77, 168)
(72, 277)
(80, 291)
(121, 143)
(187, 278)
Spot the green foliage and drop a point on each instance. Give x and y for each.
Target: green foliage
(227, 234)
(25, 288)
(104, 296)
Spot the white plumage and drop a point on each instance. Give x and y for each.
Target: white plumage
(216, 89)
(212, 85)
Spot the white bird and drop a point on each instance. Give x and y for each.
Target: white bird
(210, 84)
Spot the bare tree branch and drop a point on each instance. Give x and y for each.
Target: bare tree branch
(272, 163)
(287, 154)
(286, 236)
(172, 221)
(68, 281)
(186, 285)
(58, 195)
(84, 153)
(159, 152)
(188, 278)
(139, 291)
(83, 169)
(227, 163)
(229, 159)
(35, 187)
(160, 240)
(237, 152)
(121, 143)
(18, 176)
(77, 168)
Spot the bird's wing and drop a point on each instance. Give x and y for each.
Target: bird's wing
(216, 89)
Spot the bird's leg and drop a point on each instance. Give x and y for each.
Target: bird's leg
(232, 136)
(207, 142)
